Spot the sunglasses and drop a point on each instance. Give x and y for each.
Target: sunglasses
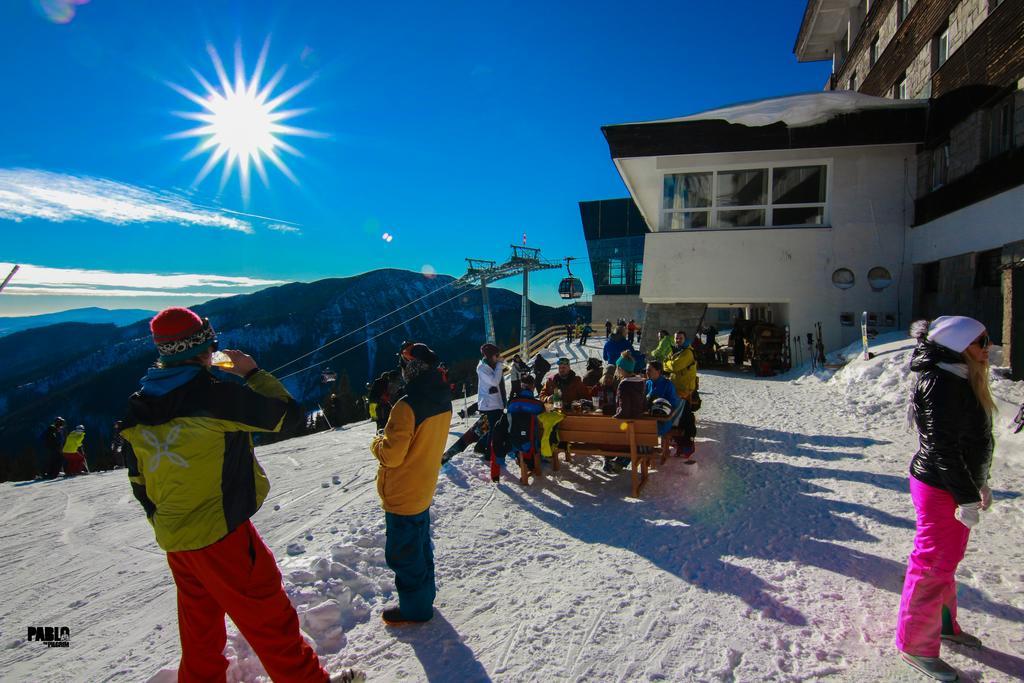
(983, 341)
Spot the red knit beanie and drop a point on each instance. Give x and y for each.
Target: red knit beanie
(180, 334)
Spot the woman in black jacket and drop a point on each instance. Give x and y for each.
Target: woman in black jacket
(952, 408)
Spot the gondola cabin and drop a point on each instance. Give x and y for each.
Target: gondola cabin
(570, 288)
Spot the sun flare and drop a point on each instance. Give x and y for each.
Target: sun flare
(241, 121)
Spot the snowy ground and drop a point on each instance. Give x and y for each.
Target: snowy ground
(779, 557)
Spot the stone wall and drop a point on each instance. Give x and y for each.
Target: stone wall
(669, 317)
(919, 73)
(964, 19)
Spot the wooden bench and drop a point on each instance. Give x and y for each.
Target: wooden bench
(594, 434)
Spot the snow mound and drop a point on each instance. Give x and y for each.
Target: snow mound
(798, 110)
(333, 594)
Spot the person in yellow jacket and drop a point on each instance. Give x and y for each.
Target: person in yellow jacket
(409, 452)
(192, 467)
(681, 366)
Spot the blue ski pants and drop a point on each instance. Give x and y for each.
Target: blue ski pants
(410, 555)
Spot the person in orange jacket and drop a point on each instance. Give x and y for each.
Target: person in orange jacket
(409, 452)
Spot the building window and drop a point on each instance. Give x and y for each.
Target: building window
(616, 272)
(638, 273)
(902, 10)
(940, 48)
(747, 198)
(843, 278)
(1000, 125)
(873, 53)
(940, 166)
(879, 278)
(852, 84)
(899, 88)
(986, 268)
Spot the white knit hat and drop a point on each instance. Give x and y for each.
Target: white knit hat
(955, 332)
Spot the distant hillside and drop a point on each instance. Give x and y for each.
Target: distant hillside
(119, 317)
(85, 373)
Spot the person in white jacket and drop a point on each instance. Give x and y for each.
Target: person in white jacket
(490, 392)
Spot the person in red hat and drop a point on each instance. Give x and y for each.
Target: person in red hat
(192, 467)
(409, 452)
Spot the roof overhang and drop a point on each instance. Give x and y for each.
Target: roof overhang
(797, 122)
(823, 23)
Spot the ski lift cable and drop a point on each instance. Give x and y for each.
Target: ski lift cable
(368, 339)
(351, 332)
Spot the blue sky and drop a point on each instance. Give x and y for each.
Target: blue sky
(454, 127)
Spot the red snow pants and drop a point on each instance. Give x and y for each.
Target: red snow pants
(74, 463)
(237, 576)
(929, 587)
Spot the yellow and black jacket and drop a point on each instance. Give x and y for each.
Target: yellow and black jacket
(410, 448)
(191, 462)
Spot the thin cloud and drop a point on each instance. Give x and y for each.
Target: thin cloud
(33, 280)
(59, 197)
(81, 291)
(281, 227)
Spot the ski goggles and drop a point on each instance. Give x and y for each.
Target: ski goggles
(983, 341)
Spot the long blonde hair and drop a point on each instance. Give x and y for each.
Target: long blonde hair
(977, 377)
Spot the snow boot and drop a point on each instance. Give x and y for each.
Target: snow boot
(932, 667)
(393, 617)
(687, 448)
(348, 676)
(963, 638)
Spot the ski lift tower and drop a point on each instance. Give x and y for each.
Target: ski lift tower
(478, 268)
(527, 259)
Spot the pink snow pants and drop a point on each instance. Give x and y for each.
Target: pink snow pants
(939, 545)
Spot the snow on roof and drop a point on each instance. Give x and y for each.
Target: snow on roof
(797, 110)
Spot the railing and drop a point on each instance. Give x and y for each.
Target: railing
(537, 342)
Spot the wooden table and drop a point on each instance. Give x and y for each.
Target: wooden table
(597, 434)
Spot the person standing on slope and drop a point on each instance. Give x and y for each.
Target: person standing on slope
(607, 328)
(681, 366)
(74, 453)
(53, 449)
(616, 344)
(952, 409)
(409, 452)
(490, 396)
(192, 467)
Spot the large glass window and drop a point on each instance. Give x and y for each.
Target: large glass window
(873, 52)
(744, 198)
(638, 273)
(688, 195)
(616, 272)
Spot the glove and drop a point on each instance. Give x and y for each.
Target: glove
(968, 514)
(986, 497)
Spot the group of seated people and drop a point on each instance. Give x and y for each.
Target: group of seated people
(623, 390)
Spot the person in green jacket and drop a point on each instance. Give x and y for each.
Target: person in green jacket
(192, 467)
(663, 351)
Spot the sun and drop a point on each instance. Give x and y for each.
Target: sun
(241, 121)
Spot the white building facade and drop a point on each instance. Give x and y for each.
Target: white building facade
(808, 226)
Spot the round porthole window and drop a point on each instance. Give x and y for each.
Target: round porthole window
(879, 278)
(843, 278)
